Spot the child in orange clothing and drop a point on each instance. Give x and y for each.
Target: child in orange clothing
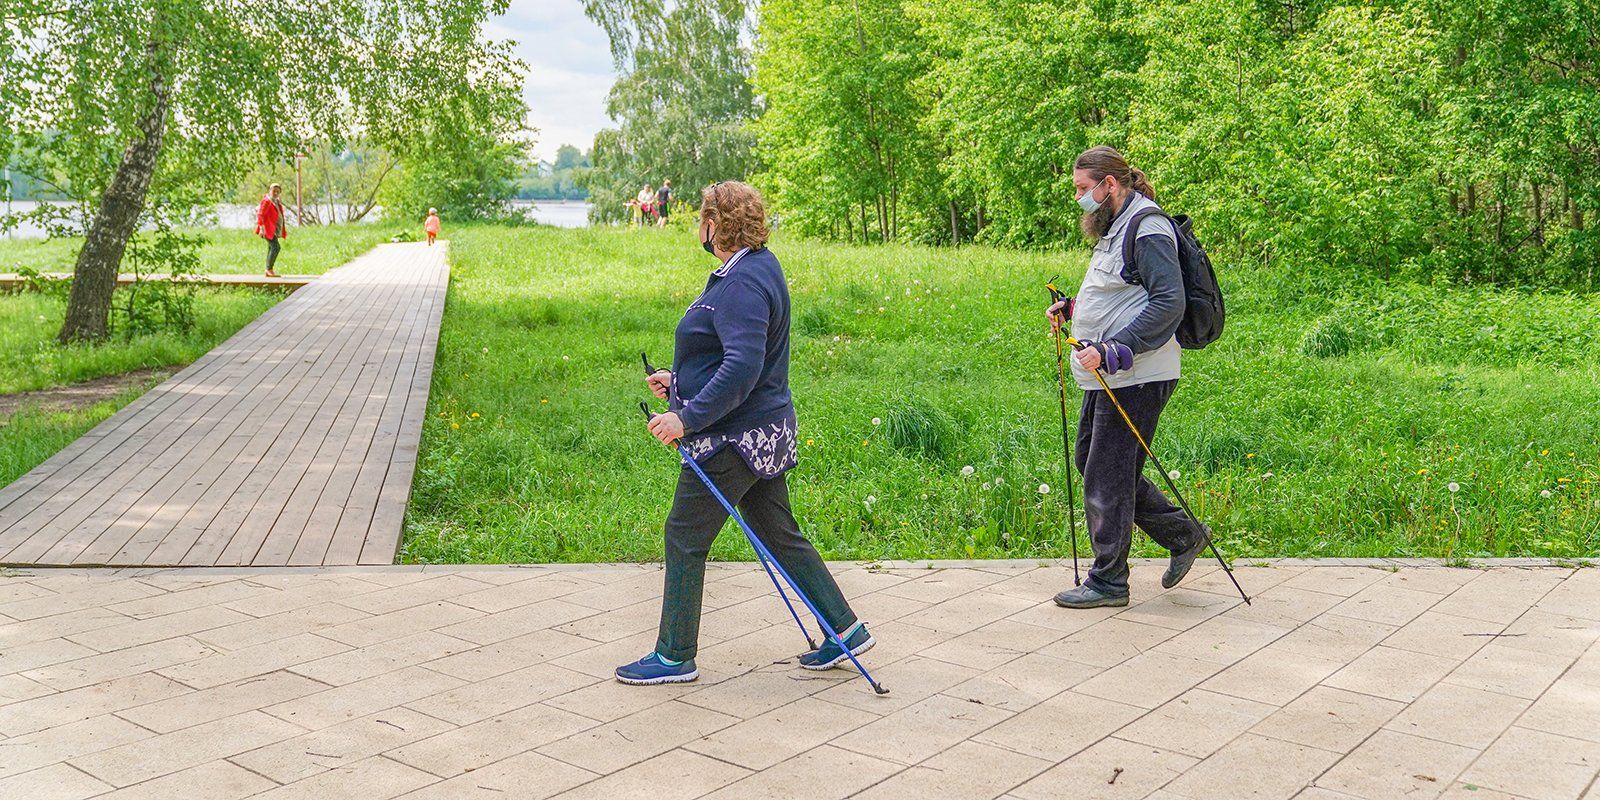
(432, 225)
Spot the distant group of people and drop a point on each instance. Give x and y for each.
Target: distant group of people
(272, 224)
(652, 206)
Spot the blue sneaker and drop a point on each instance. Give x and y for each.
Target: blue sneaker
(830, 654)
(651, 670)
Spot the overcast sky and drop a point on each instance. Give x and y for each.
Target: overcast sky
(569, 70)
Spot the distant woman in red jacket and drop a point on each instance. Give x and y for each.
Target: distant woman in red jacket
(271, 225)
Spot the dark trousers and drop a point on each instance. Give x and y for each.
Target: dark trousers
(272, 252)
(1116, 494)
(696, 519)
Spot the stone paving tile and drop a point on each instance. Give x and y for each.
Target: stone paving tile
(968, 771)
(1390, 764)
(155, 756)
(825, 773)
(1329, 718)
(376, 778)
(1254, 768)
(1109, 770)
(1358, 679)
(1459, 715)
(87, 702)
(528, 775)
(213, 780)
(1197, 723)
(1536, 765)
(919, 731)
(55, 782)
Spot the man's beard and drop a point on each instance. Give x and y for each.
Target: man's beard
(1097, 223)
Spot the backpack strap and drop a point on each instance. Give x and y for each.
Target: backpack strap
(1130, 235)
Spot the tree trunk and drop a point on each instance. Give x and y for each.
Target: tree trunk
(955, 226)
(95, 275)
(1538, 215)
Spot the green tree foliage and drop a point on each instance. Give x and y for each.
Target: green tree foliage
(682, 100)
(1427, 138)
(840, 137)
(562, 181)
(138, 107)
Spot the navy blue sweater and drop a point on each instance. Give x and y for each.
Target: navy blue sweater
(730, 362)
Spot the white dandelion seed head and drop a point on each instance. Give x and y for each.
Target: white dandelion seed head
(1453, 487)
(986, 486)
(871, 498)
(876, 421)
(1545, 493)
(1005, 537)
(880, 309)
(565, 358)
(1174, 474)
(830, 352)
(966, 471)
(1044, 488)
(998, 481)
(838, 338)
(1266, 475)
(485, 349)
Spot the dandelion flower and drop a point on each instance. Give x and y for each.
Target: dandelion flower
(1249, 455)
(456, 426)
(544, 401)
(864, 442)
(1422, 472)
(1453, 487)
(876, 422)
(1174, 474)
(1044, 488)
(474, 415)
(810, 442)
(966, 471)
(1544, 452)
(1545, 493)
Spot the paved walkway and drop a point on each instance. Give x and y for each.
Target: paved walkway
(1340, 681)
(293, 442)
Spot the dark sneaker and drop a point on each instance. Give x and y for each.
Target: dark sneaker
(1085, 597)
(1181, 562)
(652, 670)
(830, 654)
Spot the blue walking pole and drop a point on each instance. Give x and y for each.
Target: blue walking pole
(769, 563)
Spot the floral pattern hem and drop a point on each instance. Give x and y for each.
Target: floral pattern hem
(769, 450)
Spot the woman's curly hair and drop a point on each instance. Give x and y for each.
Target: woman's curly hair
(737, 212)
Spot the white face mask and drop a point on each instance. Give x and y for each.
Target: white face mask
(1087, 201)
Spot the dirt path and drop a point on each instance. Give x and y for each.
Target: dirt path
(86, 394)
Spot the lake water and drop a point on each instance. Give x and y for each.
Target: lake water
(237, 216)
(562, 214)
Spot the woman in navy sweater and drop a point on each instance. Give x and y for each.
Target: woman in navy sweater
(728, 392)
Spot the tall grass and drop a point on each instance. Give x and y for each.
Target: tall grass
(1324, 423)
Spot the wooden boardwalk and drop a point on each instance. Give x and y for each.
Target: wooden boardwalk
(292, 443)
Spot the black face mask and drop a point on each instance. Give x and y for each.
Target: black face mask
(707, 245)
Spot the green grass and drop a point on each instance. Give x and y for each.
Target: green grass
(30, 358)
(1328, 421)
(307, 251)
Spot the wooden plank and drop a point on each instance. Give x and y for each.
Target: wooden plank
(293, 441)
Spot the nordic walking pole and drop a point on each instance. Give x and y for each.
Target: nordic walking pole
(1066, 435)
(650, 370)
(1164, 476)
(770, 562)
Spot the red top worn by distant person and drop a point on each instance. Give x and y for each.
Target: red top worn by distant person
(269, 220)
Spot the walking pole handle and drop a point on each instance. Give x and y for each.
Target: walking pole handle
(648, 370)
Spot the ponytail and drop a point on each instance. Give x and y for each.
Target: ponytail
(1102, 161)
(1140, 183)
